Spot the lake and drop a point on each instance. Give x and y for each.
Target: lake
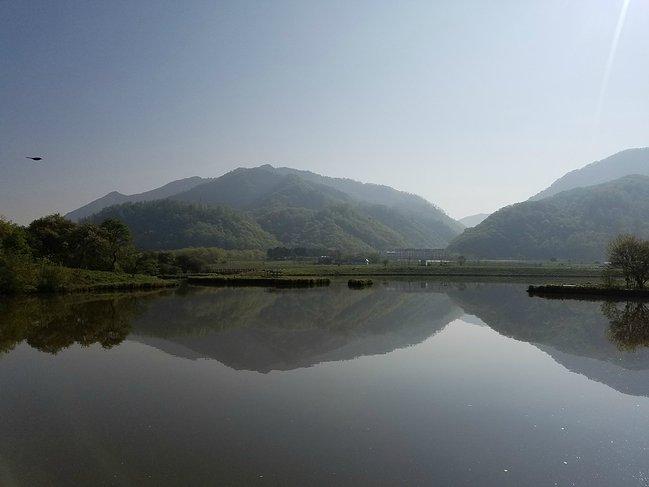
(405, 383)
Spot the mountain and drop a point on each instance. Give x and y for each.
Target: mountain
(473, 220)
(303, 209)
(631, 161)
(577, 224)
(377, 194)
(168, 224)
(116, 198)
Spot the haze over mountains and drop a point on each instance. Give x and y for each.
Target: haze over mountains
(264, 206)
(473, 220)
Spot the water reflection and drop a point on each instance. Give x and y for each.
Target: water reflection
(490, 399)
(54, 323)
(252, 329)
(629, 324)
(264, 330)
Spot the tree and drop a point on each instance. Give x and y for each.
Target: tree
(461, 260)
(16, 269)
(89, 247)
(49, 237)
(631, 255)
(118, 239)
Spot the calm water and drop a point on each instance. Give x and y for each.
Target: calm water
(404, 384)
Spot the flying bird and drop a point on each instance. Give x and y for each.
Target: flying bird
(35, 158)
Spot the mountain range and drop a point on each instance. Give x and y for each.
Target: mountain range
(573, 225)
(251, 208)
(573, 219)
(257, 208)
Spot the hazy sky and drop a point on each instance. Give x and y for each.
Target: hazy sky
(471, 104)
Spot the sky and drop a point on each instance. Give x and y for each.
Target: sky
(471, 104)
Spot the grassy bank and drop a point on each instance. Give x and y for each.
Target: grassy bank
(84, 280)
(57, 279)
(285, 282)
(486, 269)
(587, 291)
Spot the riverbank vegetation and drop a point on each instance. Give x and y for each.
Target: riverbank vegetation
(628, 258)
(283, 282)
(54, 254)
(359, 283)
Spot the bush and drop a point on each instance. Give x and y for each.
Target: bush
(53, 278)
(17, 273)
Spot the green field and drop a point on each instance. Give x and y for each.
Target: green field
(472, 269)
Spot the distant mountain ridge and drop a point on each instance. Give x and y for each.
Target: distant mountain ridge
(576, 224)
(293, 208)
(116, 198)
(627, 162)
(473, 220)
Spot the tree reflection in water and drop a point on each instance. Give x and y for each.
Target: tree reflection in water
(629, 327)
(50, 325)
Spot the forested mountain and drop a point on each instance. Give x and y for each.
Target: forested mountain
(473, 220)
(577, 224)
(377, 194)
(631, 161)
(299, 208)
(116, 198)
(168, 224)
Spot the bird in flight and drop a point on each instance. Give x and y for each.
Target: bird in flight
(35, 158)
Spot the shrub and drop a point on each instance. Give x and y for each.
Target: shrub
(17, 273)
(53, 278)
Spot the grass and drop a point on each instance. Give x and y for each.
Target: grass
(289, 282)
(85, 280)
(586, 291)
(470, 269)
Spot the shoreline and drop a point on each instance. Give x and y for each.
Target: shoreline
(572, 291)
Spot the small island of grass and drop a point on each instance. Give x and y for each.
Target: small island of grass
(628, 257)
(359, 283)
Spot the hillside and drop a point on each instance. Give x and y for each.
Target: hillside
(167, 224)
(299, 208)
(377, 194)
(631, 161)
(116, 198)
(577, 224)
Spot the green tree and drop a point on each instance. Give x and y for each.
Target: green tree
(118, 240)
(49, 237)
(631, 255)
(17, 272)
(90, 249)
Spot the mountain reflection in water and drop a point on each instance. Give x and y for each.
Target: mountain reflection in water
(264, 330)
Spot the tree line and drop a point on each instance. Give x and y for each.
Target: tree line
(29, 256)
(37, 255)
